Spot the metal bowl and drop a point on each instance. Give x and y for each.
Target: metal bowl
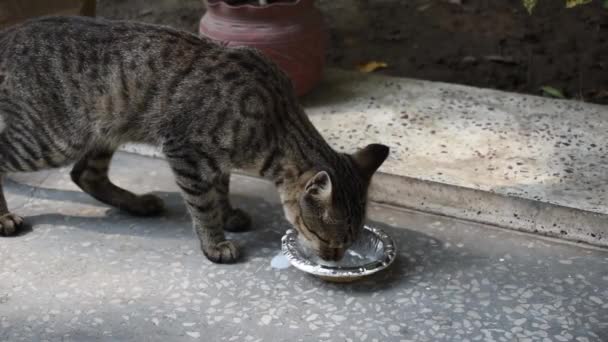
(371, 253)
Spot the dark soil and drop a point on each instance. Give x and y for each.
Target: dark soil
(253, 2)
(485, 43)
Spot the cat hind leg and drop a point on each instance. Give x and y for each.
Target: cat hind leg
(9, 223)
(90, 173)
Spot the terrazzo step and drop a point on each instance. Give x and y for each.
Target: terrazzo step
(516, 161)
(89, 272)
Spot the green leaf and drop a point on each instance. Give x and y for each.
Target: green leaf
(605, 4)
(573, 3)
(553, 92)
(529, 5)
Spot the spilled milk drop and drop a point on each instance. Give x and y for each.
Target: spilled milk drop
(280, 262)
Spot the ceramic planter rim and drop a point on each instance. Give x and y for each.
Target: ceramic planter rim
(221, 3)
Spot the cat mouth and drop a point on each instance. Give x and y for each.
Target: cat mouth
(320, 247)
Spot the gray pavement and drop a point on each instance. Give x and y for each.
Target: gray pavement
(86, 272)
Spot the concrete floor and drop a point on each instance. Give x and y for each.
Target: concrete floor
(90, 273)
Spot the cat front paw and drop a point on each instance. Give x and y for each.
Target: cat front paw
(224, 252)
(237, 221)
(10, 224)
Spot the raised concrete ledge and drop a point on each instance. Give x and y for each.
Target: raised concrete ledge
(515, 161)
(491, 208)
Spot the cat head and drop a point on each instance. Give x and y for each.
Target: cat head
(328, 207)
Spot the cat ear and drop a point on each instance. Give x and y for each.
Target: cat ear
(319, 186)
(370, 158)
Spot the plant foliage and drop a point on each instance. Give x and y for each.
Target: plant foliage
(530, 4)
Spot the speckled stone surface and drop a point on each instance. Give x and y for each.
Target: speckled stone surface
(86, 272)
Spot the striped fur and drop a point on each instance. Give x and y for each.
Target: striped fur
(73, 89)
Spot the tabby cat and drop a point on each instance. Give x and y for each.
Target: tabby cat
(73, 89)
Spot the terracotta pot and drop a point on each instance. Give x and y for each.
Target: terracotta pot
(292, 34)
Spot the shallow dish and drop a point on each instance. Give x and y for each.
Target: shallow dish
(371, 253)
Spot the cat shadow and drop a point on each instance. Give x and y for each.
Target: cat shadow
(268, 223)
(42, 193)
(416, 251)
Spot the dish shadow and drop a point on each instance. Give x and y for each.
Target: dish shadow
(262, 241)
(268, 223)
